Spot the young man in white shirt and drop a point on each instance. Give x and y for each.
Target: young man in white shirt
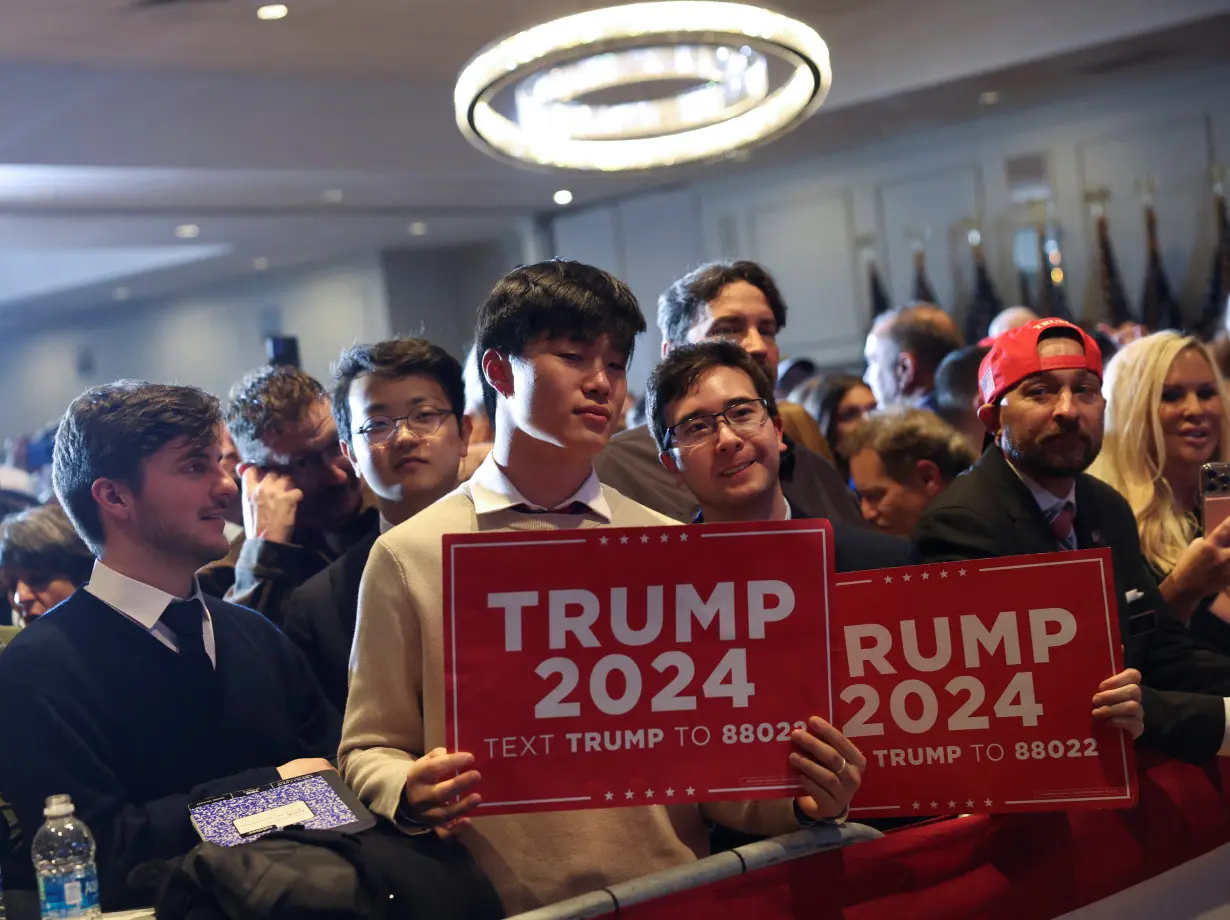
(554, 340)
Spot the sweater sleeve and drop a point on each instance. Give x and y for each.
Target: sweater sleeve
(266, 573)
(382, 731)
(767, 817)
(55, 759)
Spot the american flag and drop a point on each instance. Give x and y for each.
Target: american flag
(1052, 301)
(1158, 307)
(880, 302)
(987, 301)
(1219, 277)
(1113, 296)
(923, 292)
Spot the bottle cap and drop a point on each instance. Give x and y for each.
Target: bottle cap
(58, 806)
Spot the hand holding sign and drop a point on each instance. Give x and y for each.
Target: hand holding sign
(1117, 703)
(831, 768)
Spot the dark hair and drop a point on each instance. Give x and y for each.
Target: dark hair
(956, 379)
(682, 302)
(683, 367)
(829, 394)
(915, 330)
(266, 400)
(902, 437)
(109, 431)
(555, 299)
(395, 358)
(42, 544)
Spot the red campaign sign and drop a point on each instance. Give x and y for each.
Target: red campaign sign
(609, 667)
(968, 686)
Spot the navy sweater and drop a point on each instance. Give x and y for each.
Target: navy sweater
(95, 706)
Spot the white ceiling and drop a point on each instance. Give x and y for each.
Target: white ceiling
(119, 122)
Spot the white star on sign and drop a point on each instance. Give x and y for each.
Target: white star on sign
(644, 538)
(683, 538)
(961, 572)
(905, 577)
(666, 538)
(603, 540)
(952, 804)
(969, 803)
(649, 793)
(926, 576)
(610, 796)
(628, 794)
(917, 805)
(690, 791)
(623, 539)
(888, 579)
(669, 792)
(935, 805)
(988, 803)
(943, 573)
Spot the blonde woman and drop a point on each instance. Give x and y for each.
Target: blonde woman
(1164, 421)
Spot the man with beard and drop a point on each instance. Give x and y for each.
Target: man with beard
(303, 506)
(140, 695)
(735, 302)
(1042, 405)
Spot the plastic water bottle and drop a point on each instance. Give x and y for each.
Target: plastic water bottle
(64, 860)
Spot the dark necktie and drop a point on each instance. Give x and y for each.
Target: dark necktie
(573, 508)
(185, 620)
(1062, 518)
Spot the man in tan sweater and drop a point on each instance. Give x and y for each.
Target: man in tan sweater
(554, 340)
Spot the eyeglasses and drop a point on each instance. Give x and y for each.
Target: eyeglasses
(422, 422)
(745, 417)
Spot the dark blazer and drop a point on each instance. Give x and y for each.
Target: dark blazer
(321, 615)
(988, 511)
(858, 548)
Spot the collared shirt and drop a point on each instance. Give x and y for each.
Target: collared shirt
(144, 605)
(493, 491)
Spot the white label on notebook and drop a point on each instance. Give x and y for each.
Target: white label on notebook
(294, 813)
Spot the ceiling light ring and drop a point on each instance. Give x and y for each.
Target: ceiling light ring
(490, 72)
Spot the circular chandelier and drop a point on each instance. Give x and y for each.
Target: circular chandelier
(724, 52)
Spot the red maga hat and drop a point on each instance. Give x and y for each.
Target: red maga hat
(1014, 356)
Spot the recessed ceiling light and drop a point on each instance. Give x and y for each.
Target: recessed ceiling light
(260, 263)
(990, 97)
(187, 231)
(334, 195)
(121, 293)
(418, 228)
(563, 196)
(273, 11)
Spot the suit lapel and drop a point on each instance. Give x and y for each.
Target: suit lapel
(1031, 526)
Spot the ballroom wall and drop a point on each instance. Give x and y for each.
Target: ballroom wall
(808, 223)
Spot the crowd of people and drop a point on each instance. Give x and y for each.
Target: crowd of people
(218, 597)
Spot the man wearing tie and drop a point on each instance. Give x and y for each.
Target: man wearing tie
(1041, 391)
(139, 695)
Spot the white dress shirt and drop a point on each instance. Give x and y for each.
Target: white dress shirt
(493, 491)
(144, 605)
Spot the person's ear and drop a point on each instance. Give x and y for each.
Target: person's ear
(498, 371)
(114, 500)
(906, 370)
(989, 416)
(467, 429)
(781, 434)
(928, 477)
(667, 459)
(666, 348)
(349, 454)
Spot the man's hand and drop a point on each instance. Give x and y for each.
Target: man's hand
(830, 766)
(270, 503)
(1117, 703)
(434, 795)
(303, 767)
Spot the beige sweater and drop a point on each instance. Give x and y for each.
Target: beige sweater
(395, 713)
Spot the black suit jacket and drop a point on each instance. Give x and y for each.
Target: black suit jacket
(321, 614)
(858, 548)
(988, 511)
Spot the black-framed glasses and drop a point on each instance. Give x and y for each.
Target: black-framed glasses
(423, 422)
(746, 417)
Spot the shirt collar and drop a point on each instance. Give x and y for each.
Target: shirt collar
(492, 491)
(1046, 500)
(135, 599)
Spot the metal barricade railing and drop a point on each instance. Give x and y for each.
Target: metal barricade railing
(710, 869)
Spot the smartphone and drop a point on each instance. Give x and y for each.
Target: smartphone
(1214, 494)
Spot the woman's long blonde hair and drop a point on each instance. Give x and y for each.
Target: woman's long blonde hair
(1133, 449)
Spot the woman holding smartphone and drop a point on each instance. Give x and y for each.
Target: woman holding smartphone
(1164, 422)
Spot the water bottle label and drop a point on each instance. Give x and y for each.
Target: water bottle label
(69, 896)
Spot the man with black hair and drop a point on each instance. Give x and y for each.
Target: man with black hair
(302, 503)
(42, 559)
(956, 393)
(903, 351)
(554, 341)
(140, 695)
(398, 406)
(737, 302)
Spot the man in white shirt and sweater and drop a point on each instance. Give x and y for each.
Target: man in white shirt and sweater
(554, 340)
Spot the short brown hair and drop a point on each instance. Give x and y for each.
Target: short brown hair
(902, 437)
(264, 402)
